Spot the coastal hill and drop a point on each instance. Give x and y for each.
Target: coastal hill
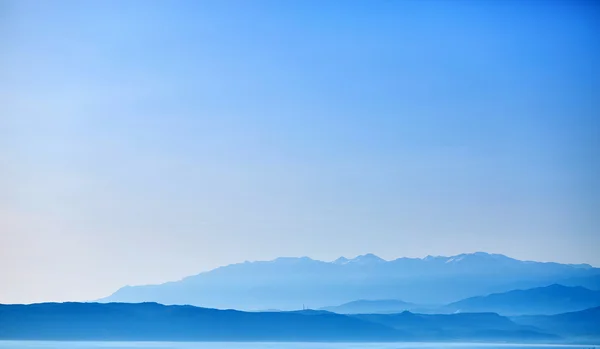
(155, 322)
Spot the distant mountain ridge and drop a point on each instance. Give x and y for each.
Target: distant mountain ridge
(287, 283)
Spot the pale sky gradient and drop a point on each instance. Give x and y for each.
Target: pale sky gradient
(142, 142)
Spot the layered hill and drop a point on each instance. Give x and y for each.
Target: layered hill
(364, 306)
(156, 322)
(288, 283)
(454, 327)
(553, 299)
(582, 326)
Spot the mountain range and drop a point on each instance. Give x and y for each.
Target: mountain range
(287, 283)
(468, 297)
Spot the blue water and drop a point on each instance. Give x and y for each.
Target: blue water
(170, 345)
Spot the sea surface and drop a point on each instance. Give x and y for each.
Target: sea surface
(205, 345)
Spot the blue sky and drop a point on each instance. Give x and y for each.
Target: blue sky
(145, 141)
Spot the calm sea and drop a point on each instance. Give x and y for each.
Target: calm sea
(169, 345)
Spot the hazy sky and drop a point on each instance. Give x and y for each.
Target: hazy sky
(141, 142)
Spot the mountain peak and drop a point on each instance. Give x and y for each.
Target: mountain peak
(432, 258)
(293, 259)
(477, 255)
(342, 260)
(367, 258)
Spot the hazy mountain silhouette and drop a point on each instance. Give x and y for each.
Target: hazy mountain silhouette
(589, 282)
(364, 306)
(156, 322)
(288, 283)
(553, 299)
(477, 326)
(580, 325)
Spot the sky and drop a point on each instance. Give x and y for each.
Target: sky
(145, 141)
